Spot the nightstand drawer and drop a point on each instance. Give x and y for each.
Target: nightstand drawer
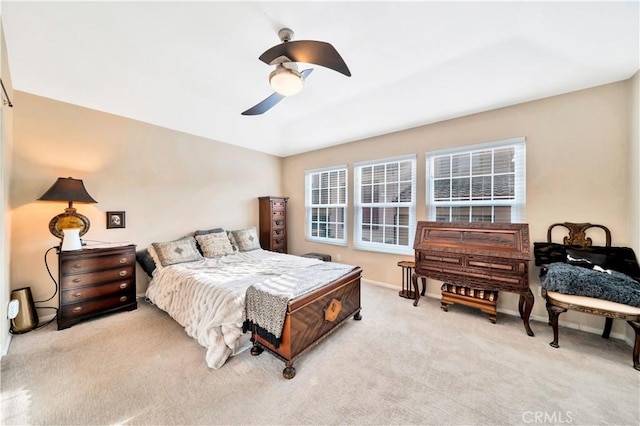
(79, 266)
(81, 280)
(279, 233)
(97, 305)
(84, 293)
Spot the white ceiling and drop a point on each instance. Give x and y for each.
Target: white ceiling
(194, 66)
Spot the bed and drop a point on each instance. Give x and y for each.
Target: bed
(219, 285)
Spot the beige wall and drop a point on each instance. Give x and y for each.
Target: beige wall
(577, 171)
(168, 183)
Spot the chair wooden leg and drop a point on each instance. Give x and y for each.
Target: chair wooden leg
(416, 289)
(521, 306)
(554, 313)
(608, 322)
(636, 347)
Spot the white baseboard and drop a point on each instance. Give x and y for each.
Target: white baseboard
(539, 318)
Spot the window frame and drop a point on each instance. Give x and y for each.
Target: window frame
(517, 204)
(309, 206)
(358, 206)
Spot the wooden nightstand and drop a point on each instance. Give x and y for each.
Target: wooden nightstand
(95, 281)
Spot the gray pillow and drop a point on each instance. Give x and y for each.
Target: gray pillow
(205, 232)
(214, 244)
(245, 239)
(146, 261)
(177, 251)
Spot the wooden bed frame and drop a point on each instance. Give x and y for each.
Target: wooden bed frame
(312, 317)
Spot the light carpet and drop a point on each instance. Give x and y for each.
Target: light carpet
(399, 365)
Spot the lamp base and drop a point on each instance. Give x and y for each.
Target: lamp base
(70, 219)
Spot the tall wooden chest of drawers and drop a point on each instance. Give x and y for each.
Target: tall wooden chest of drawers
(273, 223)
(95, 281)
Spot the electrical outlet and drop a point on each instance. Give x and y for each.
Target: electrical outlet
(338, 258)
(13, 309)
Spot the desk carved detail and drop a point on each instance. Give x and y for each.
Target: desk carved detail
(479, 255)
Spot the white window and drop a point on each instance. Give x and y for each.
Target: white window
(326, 203)
(385, 205)
(481, 183)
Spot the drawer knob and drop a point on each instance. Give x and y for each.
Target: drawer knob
(123, 260)
(124, 285)
(123, 273)
(77, 294)
(123, 299)
(77, 266)
(77, 280)
(279, 222)
(76, 309)
(278, 231)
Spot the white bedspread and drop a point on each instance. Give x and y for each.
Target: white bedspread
(207, 297)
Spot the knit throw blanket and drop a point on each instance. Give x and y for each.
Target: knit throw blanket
(266, 302)
(607, 285)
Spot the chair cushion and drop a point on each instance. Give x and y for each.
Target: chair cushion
(590, 302)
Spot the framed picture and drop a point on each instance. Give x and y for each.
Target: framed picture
(115, 220)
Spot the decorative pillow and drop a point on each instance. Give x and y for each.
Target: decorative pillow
(154, 256)
(178, 251)
(146, 261)
(546, 253)
(246, 239)
(232, 240)
(205, 232)
(585, 259)
(214, 244)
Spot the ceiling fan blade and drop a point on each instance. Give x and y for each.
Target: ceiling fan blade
(309, 51)
(265, 105)
(270, 102)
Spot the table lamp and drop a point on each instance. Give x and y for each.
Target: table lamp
(70, 190)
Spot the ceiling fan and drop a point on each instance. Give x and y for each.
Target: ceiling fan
(286, 80)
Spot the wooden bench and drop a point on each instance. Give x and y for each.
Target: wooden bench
(557, 303)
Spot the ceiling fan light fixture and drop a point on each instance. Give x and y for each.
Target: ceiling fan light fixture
(286, 81)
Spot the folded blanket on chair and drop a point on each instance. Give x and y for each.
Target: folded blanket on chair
(608, 285)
